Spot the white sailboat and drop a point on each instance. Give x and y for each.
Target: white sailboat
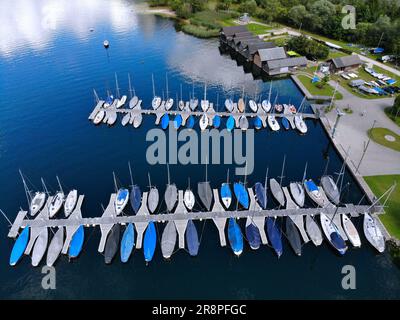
(134, 99)
(266, 104)
(99, 117)
(273, 124)
(351, 231)
(205, 104)
(373, 233)
(155, 103)
(57, 201)
(70, 202)
(170, 102)
(203, 123)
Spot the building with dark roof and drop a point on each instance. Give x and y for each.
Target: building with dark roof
(230, 31)
(263, 55)
(346, 63)
(283, 66)
(251, 48)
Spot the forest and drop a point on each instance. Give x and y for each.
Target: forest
(377, 21)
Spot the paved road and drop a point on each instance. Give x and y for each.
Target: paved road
(379, 64)
(352, 132)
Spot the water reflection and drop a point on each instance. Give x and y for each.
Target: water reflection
(34, 24)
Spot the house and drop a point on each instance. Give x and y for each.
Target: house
(227, 32)
(283, 66)
(262, 56)
(240, 42)
(345, 63)
(251, 48)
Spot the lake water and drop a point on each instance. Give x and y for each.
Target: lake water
(50, 62)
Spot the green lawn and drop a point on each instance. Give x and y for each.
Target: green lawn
(335, 54)
(258, 29)
(378, 135)
(378, 185)
(314, 90)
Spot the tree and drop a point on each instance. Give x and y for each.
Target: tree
(298, 14)
(249, 6)
(322, 11)
(224, 4)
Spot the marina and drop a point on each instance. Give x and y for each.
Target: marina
(51, 136)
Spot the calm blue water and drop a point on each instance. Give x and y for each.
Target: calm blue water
(49, 64)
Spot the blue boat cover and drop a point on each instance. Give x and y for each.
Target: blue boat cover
(391, 81)
(241, 194)
(19, 247)
(379, 50)
(136, 198)
(149, 243)
(122, 194)
(217, 121)
(338, 242)
(230, 123)
(177, 121)
(225, 191)
(285, 123)
(257, 122)
(190, 122)
(127, 242)
(253, 236)
(235, 236)
(76, 244)
(274, 235)
(165, 121)
(192, 238)
(261, 195)
(311, 185)
(109, 100)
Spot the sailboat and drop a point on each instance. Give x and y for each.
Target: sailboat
(241, 194)
(70, 202)
(171, 194)
(76, 244)
(241, 104)
(170, 102)
(55, 247)
(293, 236)
(137, 118)
(235, 237)
(314, 192)
(229, 105)
(149, 242)
(252, 234)
(261, 192)
(122, 100)
(57, 201)
(266, 104)
(331, 189)
(203, 123)
(127, 243)
(257, 123)
(243, 123)
(19, 246)
(373, 233)
(351, 231)
(273, 124)
(274, 235)
(136, 193)
(126, 118)
(190, 122)
(205, 104)
(40, 247)
(230, 123)
(108, 101)
(204, 191)
(332, 234)
(134, 99)
(153, 197)
(37, 202)
(193, 103)
(156, 100)
(313, 230)
(253, 105)
(188, 198)
(225, 193)
(99, 117)
(121, 199)
(277, 191)
(181, 103)
(168, 240)
(112, 243)
(298, 120)
(192, 239)
(285, 123)
(297, 190)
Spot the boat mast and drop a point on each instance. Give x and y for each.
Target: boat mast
(181, 92)
(115, 182)
(326, 167)
(59, 184)
(270, 91)
(166, 80)
(266, 181)
(96, 96)
(305, 172)
(130, 87)
(130, 172)
(152, 81)
(44, 186)
(27, 192)
(169, 181)
(148, 175)
(205, 91)
(5, 216)
(192, 89)
(227, 176)
(283, 168)
(116, 84)
(217, 101)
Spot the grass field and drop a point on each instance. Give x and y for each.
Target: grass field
(378, 135)
(258, 29)
(314, 90)
(379, 184)
(392, 116)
